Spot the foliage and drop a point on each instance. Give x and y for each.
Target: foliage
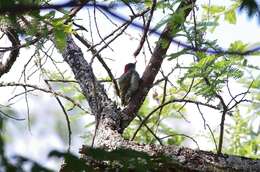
(243, 139)
(167, 134)
(98, 159)
(120, 159)
(204, 72)
(251, 7)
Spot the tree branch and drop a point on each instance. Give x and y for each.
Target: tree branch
(188, 160)
(100, 59)
(153, 66)
(13, 37)
(105, 110)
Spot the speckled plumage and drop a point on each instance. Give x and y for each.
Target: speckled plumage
(128, 83)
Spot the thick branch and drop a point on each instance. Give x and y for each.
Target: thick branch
(106, 112)
(94, 52)
(13, 37)
(154, 65)
(185, 159)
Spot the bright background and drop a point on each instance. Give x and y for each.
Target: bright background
(49, 130)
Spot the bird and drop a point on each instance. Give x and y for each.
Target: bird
(128, 83)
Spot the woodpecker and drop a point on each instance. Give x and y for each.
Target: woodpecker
(128, 83)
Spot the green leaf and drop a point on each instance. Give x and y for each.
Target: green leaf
(230, 16)
(60, 33)
(204, 62)
(213, 9)
(60, 39)
(238, 46)
(215, 21)
(177, 18)
(49, 15)
(148, 3)
(175, 55)
(235, 73)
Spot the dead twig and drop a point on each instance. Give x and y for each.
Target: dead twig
(166, 103)
(64, 112)
(12, 84)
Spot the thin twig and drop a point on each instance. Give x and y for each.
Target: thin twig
(163, 100)
(201, 114)
(123, 27)
(64, 112)
(107, 17)
(16, 95)
(94, 51)
(229, 91)
(24, 8)
(234, 98)
(166, 103)
(12, 117)
(184, 136)
(90, 27)
(187, 93)
(62, 80)
(12, 84)
(212, 135)
(129, 6)
(28, 109)
(97, 28)
(151, 131)
(146, 29)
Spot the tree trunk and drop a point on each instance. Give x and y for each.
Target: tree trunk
(111, 120)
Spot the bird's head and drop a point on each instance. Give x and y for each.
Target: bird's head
(129, 66)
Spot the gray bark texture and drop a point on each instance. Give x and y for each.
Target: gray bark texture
(111, 120)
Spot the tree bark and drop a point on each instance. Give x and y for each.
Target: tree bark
(13, 37)
(111, 120)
